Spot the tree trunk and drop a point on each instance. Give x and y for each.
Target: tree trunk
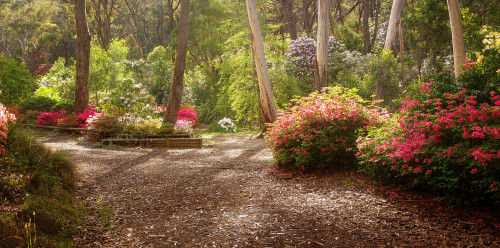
(82, 58)
(174, 102)
(321, 72)
(366, 27)
(375, 29)
(457, 37)
(308, 16)
(392, 29)
(266, 93)
(103, 10)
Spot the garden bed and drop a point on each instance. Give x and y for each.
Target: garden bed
(168, 142)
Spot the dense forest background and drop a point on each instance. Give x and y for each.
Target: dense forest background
(134, 44)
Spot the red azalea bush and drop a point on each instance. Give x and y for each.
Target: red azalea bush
(320, 130)
(448, 146)
(187, 113)
(49, 118)
(83, 117)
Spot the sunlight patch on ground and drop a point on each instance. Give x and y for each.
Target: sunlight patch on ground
(264, 155)
(233, 153)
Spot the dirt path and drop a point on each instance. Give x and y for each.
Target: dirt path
(223, 196)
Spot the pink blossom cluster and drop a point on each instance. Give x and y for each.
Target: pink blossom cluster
(319, 129)
(52, 118)
(188, 114)
(85, 116)
(49, 118)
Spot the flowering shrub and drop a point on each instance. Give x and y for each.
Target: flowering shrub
(227, 124)
(84, 117)
(187, 113)
(301, 56)
(449, 146)
(184, 126)
(68, 121)
(49, 118)
(5, 119)
(107, 123)
(320, 130)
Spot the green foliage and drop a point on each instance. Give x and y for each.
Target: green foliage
(58, 84)
(47, 190)
(38, 103)
(158, 75)
(16, 82)
(67, 107)
(107, 68)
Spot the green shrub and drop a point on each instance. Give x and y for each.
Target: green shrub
(16, 82)
(38, 103)
(320, 130)
(67, 107)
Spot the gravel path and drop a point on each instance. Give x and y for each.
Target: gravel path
(223, 196)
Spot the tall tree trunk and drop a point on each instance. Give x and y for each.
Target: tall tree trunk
(375, 29)
(291, 20)
(82, 58)
(265, 90)
(401, 56)
(321, 72)
(457, 37)
(174, 102)
(392, 29)
(366, 27)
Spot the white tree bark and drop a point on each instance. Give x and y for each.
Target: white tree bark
(266, 93)
(457, 37)
(321, 73)
(392, 29)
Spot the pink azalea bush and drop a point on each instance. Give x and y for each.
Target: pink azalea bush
(449, 145)
(49, 118)
(320, 130)
(83, 117)
(187, 113)
(5, 119)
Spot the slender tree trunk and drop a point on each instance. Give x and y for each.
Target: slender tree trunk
(392, 29)
(457, 37)
(265, 90)
(174, 102)
(401, 56)
(103, 10)
(321, 72)
(375, 29)
(308, 16)
(82, 58)
(366, 27)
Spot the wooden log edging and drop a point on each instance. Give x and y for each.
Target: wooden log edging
(186, 143)
(70, 129)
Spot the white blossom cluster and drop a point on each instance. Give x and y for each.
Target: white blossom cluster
(227, 124)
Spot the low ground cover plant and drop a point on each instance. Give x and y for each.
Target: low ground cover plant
(38, 182)
(320, 130)
(449, 146)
